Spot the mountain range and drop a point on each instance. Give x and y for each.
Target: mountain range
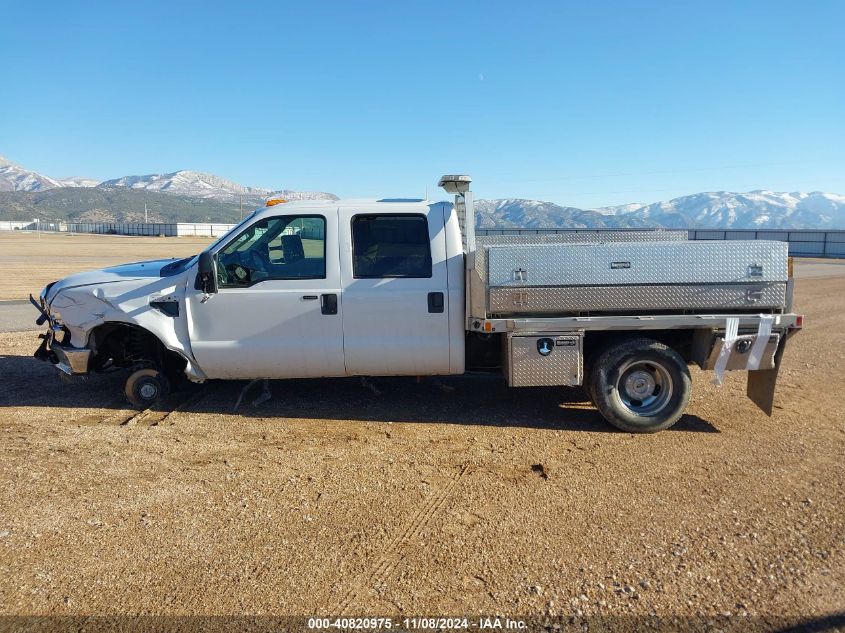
(189, 196)
(15, 178)
(199, 185)
(711, 210)
(192, 184)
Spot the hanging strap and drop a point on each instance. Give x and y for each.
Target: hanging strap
(731, 330)
(760, 343)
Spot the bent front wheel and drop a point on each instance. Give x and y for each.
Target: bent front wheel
(146, 386)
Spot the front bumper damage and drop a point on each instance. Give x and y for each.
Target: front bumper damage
(69, 360)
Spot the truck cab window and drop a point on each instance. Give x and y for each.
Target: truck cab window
(285, 247)
(390, 246)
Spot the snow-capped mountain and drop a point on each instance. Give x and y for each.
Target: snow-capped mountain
(288, 194)
(13, 177)
(78, 181)
(193, 184)
(622, 208)
(716, 210)
(200, 185)
(521, 213)
(187, 183)
(753, 210)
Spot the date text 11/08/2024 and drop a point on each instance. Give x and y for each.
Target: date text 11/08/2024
(413, 624)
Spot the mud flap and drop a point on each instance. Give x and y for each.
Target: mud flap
(761, 382)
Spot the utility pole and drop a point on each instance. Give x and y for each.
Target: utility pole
(241, 200)
(145, 213)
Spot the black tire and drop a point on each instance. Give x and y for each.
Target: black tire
(146, 386)
(588, 385)
(640, 385)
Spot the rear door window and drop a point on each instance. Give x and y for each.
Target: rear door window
(390, 246)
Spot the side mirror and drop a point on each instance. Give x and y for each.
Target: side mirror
(206, 281)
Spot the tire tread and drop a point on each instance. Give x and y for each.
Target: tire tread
(602, 384)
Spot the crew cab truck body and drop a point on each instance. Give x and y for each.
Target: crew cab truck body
(403, 288)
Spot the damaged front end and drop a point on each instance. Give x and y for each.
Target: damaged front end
(55, 344)
(118, 318)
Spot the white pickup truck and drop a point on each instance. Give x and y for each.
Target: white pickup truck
(396, 287)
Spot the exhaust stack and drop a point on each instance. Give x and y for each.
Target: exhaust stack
(459, 185)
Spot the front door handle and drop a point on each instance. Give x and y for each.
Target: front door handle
(328, 304)
(309, 297)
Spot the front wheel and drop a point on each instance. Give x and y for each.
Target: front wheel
(641, 385)
(146, 386)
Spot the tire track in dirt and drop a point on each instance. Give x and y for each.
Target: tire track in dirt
(393, 553)
(158, 413)
(151, 416)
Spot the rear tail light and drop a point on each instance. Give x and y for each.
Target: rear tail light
(799, 321)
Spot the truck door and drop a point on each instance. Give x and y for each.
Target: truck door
(278, 312)
(395, 301)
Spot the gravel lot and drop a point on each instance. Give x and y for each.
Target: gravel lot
(330, 499)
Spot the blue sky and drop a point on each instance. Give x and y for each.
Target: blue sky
(580, 103)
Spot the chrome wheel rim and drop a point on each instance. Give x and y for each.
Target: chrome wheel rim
(644, 387)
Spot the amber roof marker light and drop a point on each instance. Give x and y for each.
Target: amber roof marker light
(272, 202)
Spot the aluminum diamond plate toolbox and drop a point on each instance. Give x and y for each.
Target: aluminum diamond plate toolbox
(571, 237)
(640, 263)
(545, 360)
(573, 299)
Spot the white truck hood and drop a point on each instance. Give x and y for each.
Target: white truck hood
(123, 272)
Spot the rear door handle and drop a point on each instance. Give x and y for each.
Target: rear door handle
(435, 302)
(328, 304)
(309, 297)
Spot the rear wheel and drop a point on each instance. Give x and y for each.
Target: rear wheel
(640, 385)
(146, 386)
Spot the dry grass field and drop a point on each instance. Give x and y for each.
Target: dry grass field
(329, 499)
(30, 261)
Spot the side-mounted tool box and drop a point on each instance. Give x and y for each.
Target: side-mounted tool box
(544, 359)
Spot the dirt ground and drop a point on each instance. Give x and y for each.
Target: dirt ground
(31, 260)
(331, 500)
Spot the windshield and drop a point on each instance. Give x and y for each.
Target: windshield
(234, 229)
(282, 247)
